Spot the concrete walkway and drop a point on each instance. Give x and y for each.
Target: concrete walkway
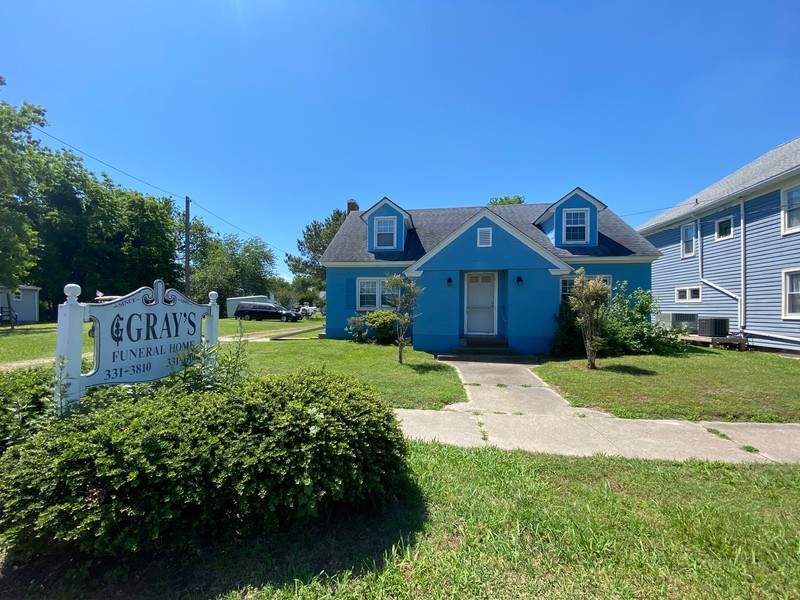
(511, 408)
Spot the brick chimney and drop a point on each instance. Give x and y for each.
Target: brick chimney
(351, 206)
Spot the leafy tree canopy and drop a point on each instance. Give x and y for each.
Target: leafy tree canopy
(506, 200)
(316, 238)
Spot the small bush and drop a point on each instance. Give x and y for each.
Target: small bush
(163, 469)
(357, 327)
(25, 395)
(384, 325)
(631, 327)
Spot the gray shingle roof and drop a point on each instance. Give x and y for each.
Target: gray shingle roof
(776, 163)
(433, 225)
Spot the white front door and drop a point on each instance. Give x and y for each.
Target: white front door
(480, 304)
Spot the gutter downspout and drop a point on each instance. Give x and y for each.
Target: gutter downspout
(709, 283)
(771, 335)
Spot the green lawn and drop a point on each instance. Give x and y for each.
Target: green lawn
(421, 382)
(231, 326)
(37, 340)
(700, 384)
(486, 523)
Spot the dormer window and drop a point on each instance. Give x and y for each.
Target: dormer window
(576, 226)
(385, 232)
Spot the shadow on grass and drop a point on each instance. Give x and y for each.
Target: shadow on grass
(628, 370)
(684, 352)
(341, 540)
(22, 330)
(426, 368)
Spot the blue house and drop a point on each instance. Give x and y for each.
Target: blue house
(731, 254)
(492, 275)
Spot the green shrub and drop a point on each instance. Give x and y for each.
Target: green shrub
(357, 327)
(25, 395)
(568, 340)
(631, 327)
(141, 469)
(383, 323)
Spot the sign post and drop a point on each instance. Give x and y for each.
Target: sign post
(140, 337)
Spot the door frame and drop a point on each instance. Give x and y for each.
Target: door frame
(495, 282)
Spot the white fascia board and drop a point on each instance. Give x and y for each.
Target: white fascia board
(406, 216)
(582, 193)
(757, 189)
(616, 260)
(500, 222)
(371, 264)
(559, 272)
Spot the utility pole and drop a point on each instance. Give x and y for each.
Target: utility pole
(186, 251)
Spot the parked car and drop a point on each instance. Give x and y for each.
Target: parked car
(265, 310)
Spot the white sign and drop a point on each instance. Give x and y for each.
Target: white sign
(143, 336)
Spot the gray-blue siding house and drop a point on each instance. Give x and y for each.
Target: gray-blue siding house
(490, 274)
(732, 252)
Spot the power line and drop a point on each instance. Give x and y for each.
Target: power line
(110, 166)
(139, 179)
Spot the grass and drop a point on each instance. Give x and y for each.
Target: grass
(231, 326)
(699, 384)
(421, 382)
(37, 340)
(486, 523)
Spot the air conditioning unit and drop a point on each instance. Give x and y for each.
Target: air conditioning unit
(686, 321)
(713, 327)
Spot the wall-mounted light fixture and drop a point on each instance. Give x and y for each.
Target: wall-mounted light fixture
(519, 280)
(449, 282)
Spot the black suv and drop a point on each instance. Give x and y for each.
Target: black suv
(265, 310)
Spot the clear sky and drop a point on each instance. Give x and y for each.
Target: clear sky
(271, 113)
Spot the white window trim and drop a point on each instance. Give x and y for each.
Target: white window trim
(587, 236)
(785, 229)
(608, 278)
(483, 230)
(717, 237)
(393, 221)
(689, 299)
(693, 225)
(380, 282)
(785, 314)
(17, 296)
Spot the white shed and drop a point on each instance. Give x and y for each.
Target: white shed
(24, 304)
(232, 303)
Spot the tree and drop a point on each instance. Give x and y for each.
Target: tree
(233, 268)
(317, 237)
(18, 240)
(589, 300)
(405, 292)
(506, 200)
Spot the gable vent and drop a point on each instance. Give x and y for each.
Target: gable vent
(484, 237)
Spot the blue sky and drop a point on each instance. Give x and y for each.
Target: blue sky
(271, 113)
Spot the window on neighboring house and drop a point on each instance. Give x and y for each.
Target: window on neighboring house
(688, 294)
(576, 226)
(791, 293)
(17, 296)
(688, 233)
(790, 207)
(568, 282)
(484, 237)
(385, 232)
(724, 229)
(370, 291)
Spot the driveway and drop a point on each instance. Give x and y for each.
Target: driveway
(511, 408)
